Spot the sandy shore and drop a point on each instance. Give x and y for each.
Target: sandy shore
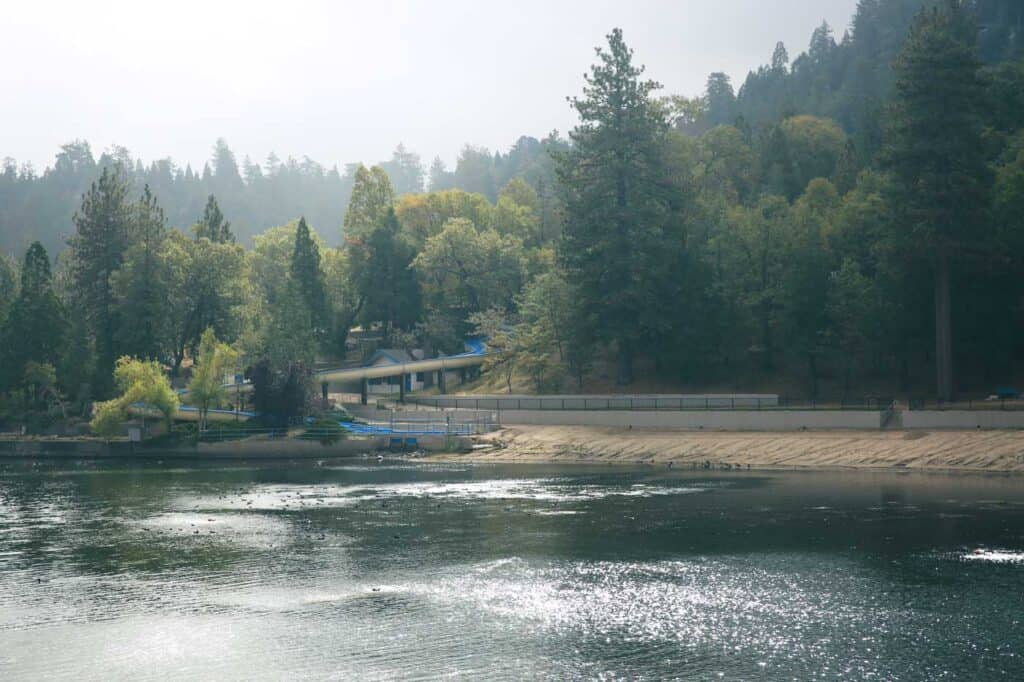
(964, 450)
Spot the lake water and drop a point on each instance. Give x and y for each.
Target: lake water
(355, 570)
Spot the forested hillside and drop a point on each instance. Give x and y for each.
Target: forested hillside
(848, 76)
(38, 206)
(775, 238)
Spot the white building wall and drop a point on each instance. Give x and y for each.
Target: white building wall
(386, 388)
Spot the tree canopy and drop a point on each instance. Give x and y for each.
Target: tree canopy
(847, 220)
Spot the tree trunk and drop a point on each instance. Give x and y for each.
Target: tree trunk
(625, 364)
(766, 330)
(179, 357)
(812, 366)
(943, 330)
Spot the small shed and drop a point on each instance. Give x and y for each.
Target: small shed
(396, 356)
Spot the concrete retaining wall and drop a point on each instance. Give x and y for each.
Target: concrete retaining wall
(52, 447)
(254, 448)
(288, 448)
(603, 402)
(711, 420)
(963, 419)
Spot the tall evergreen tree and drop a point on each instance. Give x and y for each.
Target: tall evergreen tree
(226, 177)
(780, 58)
(720, 100)
(405, 171)
(36, 324)
(620, 239)
(439, 177)
(308, 276)
(384, 279)
(102, 235)
(213, 226)
(936, 157)
(8, 285)
(140, 284)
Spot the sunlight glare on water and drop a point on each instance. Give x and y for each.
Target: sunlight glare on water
(421, 571)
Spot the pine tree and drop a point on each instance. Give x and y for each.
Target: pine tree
(308, 277)
(720, 100)
(35, 327)
(384, 279)
(102, 236)
(225, 177)
(213, 226)
(405, 171)
(8, 285)
(438, 176)
(936, 156)
(621, 238)
(140, 284)
(780, 58)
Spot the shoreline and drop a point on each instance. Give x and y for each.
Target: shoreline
(241, 449)
(979, 451)
(991, 451)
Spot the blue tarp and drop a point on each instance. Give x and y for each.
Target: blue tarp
(384, 430)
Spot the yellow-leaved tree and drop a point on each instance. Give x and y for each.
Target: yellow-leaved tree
(206, 389)
(143, 385)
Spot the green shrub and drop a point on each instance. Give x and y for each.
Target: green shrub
(326, 431)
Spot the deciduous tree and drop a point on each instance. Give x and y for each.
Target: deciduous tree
(213, 362)
(141, 383)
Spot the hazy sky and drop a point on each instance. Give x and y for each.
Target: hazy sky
(346, 81)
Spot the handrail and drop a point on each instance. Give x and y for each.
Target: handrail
(380, 371)
(342, 374)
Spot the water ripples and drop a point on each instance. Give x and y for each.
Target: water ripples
(308, 497)
(245, 574)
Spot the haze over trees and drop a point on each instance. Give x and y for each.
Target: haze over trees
(850, 221)
(247, 198)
